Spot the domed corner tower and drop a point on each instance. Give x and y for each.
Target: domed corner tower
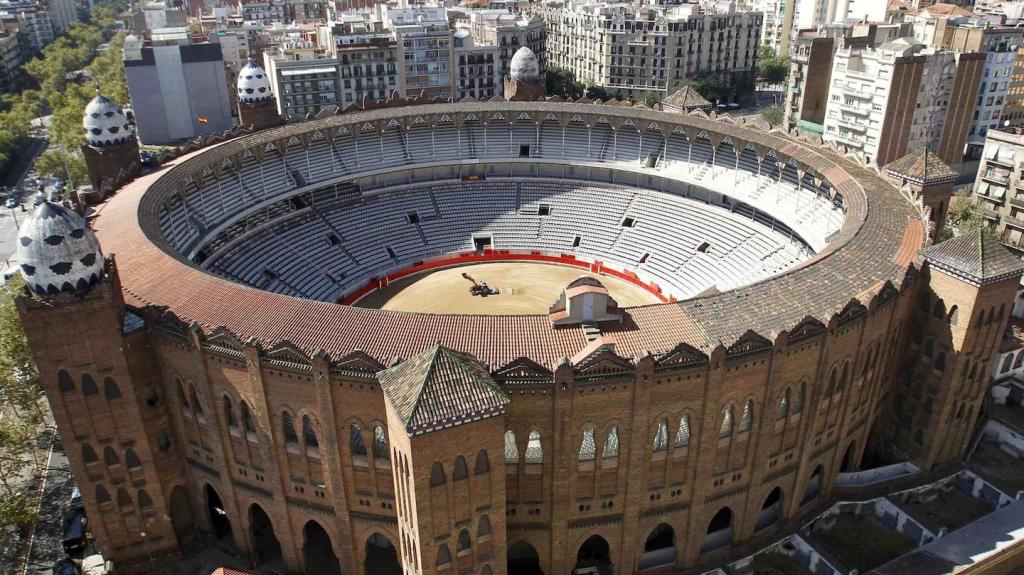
(525, 80)
(99, 375)
(111, 151)
(929, 178)
(956, 329)
(256, 104)
(446, 421)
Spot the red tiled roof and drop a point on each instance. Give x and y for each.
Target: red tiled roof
(859, 256)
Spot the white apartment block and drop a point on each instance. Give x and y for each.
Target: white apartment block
(424, 42)
(62, 14)
(814, 13)
(858, 113)
(991, 95)
(639, 49)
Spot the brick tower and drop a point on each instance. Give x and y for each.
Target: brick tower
(450, 497)
(97, 369)
(929, 178)
(111, 151)
(256, 104)
(525, 81)
(962, 309)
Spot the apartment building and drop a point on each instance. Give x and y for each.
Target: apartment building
(814, 13)
(424, 41)
(477, 67)
(62, 14)
(267, 12)
(353, 58)
(777, 30)
(12, 56)
(1013, 110)
(999, 187)
(636, 49)
(902, 96)
(31, 20)
(508, 32)
(1010, 11)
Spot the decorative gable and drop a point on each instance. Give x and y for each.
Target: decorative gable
(357, 361)
(286, 354)
(681, 356)
(808, 327)
(748, 343)
(224, 341)
(603, 363)
(523, 371)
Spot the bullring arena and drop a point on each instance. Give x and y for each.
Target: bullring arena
(762, 304)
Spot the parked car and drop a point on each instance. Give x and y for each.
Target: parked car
(11, 202)
(75, 536)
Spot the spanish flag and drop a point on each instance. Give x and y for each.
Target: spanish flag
(202, 119)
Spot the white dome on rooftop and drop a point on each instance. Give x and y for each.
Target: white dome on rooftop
(253, 84)
(57, 251)
(525, 67)
(105, 123)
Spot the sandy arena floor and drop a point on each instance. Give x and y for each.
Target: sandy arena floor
(526, 288)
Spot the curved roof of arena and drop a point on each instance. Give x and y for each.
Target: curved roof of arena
(858, 269)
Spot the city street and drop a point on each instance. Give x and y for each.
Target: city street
(14, 180)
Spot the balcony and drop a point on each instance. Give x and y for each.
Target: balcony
(853, 126)
(1011, 221)
(1017, 202)
(859, 110)
(991, 215)
(996, 179)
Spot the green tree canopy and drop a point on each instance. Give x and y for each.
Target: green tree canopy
(713, 87)
(772, 68)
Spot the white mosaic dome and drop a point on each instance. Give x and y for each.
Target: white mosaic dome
(105, 123)
(253, 85)
(57, 251)
(525, 67)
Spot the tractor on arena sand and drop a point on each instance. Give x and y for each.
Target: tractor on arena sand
(481, 289)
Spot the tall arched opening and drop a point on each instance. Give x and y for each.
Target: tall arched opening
(181, 516)
(719, 532)
(813, 485)
(771, 510)
(523, 558)
(848, 463)
(218, 514)
(381, 556)
(318, 552)
(594, 555)
(265, 546)
(660, 547)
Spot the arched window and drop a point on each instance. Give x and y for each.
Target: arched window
(444, 557)
(64, 381)
(940, 361)
(588, 447)
(123, 499)
(798, 405)
(483, 465)
(247, 418)
(131, 459)
(484, 528)
(784, 405)
(683, 432)
(288, 428)
(954, 315)
(460, 471)
(309, 433)
(534, 450)
(436, 474)
(110, 456)
(181, 395)
(464, 541)
(89, 385)
(660, 441)
(355, 440)
(1020, 360)
(725, 429)
(102, 495)
(1007, 362)
(196, 406)
(831, 385)
(89, 454)
(144, 500)
(229, 412)
(844, 378)
(380, 444)
(611, 443)
(110, 389)
(511, 451)
(991, 315)
(748, 416)
(937, 311)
